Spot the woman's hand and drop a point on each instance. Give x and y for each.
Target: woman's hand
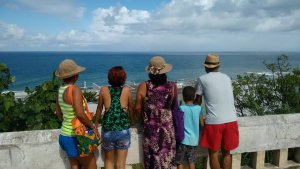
(96, 132)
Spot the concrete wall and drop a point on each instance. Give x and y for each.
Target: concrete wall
(40, 149)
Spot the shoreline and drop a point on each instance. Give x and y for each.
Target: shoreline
(19, 94)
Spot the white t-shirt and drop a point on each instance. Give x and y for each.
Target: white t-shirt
(217, 91)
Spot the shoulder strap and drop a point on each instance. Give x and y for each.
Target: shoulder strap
(70, 95)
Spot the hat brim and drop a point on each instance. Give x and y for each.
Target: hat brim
(70, 74)
(211, 66)
(167, 68)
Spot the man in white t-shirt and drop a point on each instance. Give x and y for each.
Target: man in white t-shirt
(221, 128)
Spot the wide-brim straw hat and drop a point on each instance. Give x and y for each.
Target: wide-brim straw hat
(68, 68)
(158, 65)
(212, 61)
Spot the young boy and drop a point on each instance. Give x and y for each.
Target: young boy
(188, 150)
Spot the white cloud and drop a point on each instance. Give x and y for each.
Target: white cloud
(117, 19)
(10, 31)
(178, 25)
(228, 15)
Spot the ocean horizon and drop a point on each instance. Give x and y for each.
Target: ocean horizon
(33, 68)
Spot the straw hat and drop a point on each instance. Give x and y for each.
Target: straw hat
(212, 61)
(68, 68)
(158, 65)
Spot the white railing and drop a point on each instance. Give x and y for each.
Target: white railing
(258, 134)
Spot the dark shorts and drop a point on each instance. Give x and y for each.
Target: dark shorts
(69, 145)
(113, 140)
(187, 154)
(216, 136)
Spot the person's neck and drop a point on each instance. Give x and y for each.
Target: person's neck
(69, 83)
(189, 102)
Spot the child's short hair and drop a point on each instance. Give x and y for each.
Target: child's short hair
(188, 93)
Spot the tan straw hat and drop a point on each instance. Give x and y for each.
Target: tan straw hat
(212, 61)
(158, 65)
(68, 68)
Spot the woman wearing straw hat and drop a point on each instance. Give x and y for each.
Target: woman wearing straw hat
(67, 109)
(153, 102)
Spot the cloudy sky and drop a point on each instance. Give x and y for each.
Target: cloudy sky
(149, 25)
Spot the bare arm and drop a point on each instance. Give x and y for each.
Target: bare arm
(57, 110)
(130, 108)
(78, 108)
(140, 94)
(198, 100)
(99, 108)
(201, 122)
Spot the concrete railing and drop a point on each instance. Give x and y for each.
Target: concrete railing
(40, 149)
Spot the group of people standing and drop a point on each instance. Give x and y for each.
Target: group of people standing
(154, 97)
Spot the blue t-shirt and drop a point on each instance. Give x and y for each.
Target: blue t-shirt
(192, 115)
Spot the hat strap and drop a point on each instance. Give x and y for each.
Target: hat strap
(211, 63)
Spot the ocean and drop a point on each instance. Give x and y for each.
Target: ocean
(33, 68)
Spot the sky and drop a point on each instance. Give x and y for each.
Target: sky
(149, 25)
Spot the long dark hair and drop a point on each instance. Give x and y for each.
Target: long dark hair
(158, 79)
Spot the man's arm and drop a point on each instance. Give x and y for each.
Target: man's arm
(198, 100)
(199, 92)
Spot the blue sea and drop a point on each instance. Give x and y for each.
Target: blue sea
(32, 68)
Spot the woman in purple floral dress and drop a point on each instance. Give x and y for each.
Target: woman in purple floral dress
(153, 103)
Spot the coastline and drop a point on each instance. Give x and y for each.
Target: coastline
(95, 89)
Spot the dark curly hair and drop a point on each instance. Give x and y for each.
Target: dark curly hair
(158, 79)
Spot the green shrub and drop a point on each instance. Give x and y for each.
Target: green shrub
(262, 94)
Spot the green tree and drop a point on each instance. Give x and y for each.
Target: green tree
(39, 106)
(36, 111)
(275, 94)
(91, 96)
(8, 103)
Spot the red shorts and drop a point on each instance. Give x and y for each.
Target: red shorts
(225, 135)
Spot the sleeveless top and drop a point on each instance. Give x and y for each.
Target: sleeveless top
(115, 119)
(68, 113)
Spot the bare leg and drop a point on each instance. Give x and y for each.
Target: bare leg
(74, 163)
(121, 158)
(192, 166)
(180, 166)
(214, 159)
(109, 159)
(88, 162)
(226, 159)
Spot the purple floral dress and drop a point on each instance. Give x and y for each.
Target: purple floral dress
(159, 137)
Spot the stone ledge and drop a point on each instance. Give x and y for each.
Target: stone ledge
(37, 149)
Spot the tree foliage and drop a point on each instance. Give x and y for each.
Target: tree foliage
(261, 94)
(39, 106)
(91, 96)
(36, 110)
